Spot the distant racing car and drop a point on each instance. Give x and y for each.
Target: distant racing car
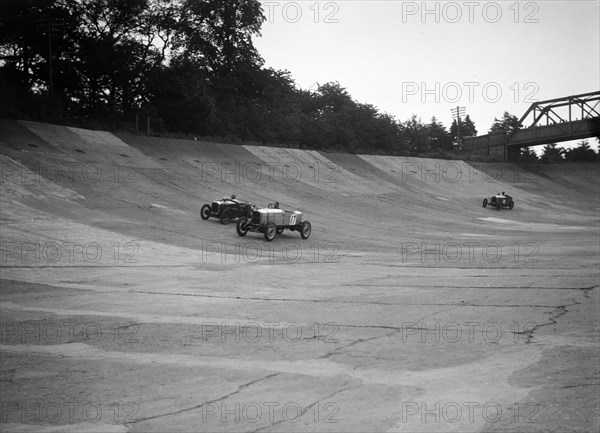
(499, 201)
(226, 209)
(272, 220)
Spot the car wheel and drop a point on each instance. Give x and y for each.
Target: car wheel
(498, 206)
(226, 216)
(485, 202)
(511, 205)
(270, 232)
(305, 230)
(280, 230)
(241, 226)
(205, 212)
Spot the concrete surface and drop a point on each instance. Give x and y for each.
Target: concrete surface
(410, 308)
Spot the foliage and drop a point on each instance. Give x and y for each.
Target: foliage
(507, 123)
(439, 139)
(192, 67)
(552, 153)
(528, 155)
(583, 152)
(467, 129)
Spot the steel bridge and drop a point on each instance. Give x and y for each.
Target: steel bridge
(552, 121)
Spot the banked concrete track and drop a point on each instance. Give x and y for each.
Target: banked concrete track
(410, 308)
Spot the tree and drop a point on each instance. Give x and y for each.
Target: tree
(179, 95)
(528, 155)
(36, 34)
(335, 111)
(583, 152)
(552, 153)
(467, 129)
(117, 51)
(439, 138)
(507, 123)
(333, 98)
(104, 52)
(415, 135)
(219, 33)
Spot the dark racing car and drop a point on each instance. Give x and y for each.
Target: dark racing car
(226, 210)
(499, 201)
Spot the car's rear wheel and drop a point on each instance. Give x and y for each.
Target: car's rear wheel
(226, 216)
(485, 202)
(205, 212)
(270, 232)
(242, 227)
(305, 230)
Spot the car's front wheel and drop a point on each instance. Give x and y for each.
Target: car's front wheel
(511, 205)
(485, 202)
(270, 232)
(205, 212)
(305, 230)
(242, 226)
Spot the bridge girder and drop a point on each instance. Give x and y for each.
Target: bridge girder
(567, 118)
(588, 103)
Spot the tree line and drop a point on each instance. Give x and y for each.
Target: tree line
(192, 67)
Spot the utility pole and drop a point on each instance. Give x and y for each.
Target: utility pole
(50, 72)
(51, 25)
(457, 113)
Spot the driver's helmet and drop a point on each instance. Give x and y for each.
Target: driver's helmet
(276, 205)
(232, 196)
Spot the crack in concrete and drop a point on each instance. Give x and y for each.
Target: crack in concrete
(91, 266)
(559, 311)
(395, 330)
(580, 385)
(473, 287)
(189, 409)
(308, 407)
(338, 350)
(408, 266)
(333, 301)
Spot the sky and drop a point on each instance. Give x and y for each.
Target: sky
(426, 58)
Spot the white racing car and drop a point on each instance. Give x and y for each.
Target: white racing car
(272, 220)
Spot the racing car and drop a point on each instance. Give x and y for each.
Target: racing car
(499, 201)
(272, 220)
(226, 209)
